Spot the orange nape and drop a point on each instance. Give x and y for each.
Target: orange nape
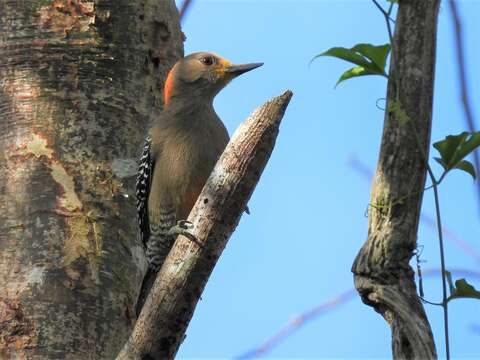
(168, 87)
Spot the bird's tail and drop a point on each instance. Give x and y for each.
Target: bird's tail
(147, 284)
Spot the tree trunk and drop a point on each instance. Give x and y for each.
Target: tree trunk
(78, 80)
(383, 276)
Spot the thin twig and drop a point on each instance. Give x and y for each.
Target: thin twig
(184, 8)
(442, 262)
(385, 13)
(430, 302)
(440, 237)
(323, 308)
(465, 96)
(298, 321)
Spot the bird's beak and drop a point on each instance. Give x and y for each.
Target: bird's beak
(236, 70)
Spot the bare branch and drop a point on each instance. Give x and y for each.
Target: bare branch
(295, 323)
(168, 309)
(383, 276)
(465, 96)
(328, 306)
(184, 8)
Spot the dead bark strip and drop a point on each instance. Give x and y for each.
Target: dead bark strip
(383, 276)
(78, 80)
(162, 323)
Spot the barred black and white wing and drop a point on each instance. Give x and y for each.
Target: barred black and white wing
(144, 179)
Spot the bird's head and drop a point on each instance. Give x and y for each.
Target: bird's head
(201, 76)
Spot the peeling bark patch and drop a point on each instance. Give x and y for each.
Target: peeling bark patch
(84, 242)
(15, 329)
(63, 16)
(69, 200)
(38, 147)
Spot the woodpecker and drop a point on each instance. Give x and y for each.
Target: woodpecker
(180, 151)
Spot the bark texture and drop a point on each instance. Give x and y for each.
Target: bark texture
(77, 82)
(169, 307)
(383, 276)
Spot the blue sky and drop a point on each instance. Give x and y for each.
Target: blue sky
(307, 218)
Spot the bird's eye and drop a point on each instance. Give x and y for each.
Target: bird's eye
(208, 60)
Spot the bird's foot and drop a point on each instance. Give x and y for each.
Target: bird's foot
(184, 228)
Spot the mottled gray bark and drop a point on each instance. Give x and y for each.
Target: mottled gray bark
(383, 276)
(77, 82)
(169, 307)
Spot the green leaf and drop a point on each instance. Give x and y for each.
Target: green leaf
(455, 148)
(393, 1)
(447, 147)
(370, 59)
(464, 290)
(376, 54)
(354, 72)
(345, 54)
(470, 144)
(467, 166)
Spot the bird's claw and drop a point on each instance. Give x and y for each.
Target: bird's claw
(183, 227)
